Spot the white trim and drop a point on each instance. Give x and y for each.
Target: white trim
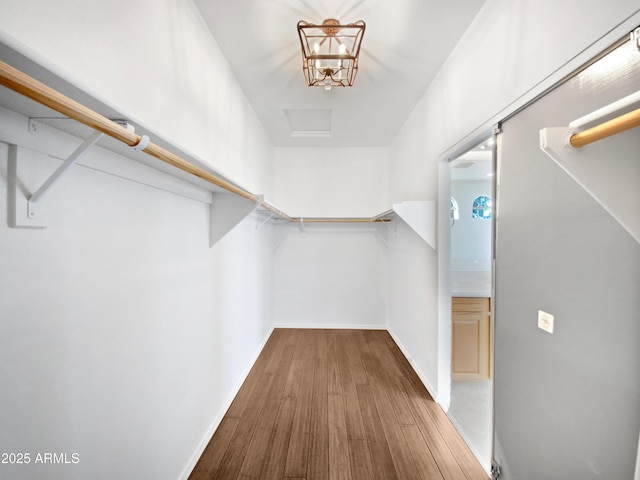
(444, 279)
(221, 413)
(419, 372)
(330, 326)
(484, 463)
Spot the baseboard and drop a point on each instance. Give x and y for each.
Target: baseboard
(423, 378)
(484, 462)
(329, 326)
(216, 422)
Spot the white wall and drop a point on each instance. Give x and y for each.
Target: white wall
(412, 290)
(331, 182)
(123, 335)
(516, 45)
(331, 276)
(520, 47)
(155, 62)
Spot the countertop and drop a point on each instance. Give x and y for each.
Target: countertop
(470, 284)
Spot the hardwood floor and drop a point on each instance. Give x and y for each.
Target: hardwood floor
(335, 404)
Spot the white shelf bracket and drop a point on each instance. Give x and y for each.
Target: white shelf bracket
(261, 224)
(611, 178)
(228, 210)
(35, 200)
(608, 168)
(302, 232)
(421, 217)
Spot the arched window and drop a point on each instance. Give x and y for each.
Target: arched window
(455, 210)
(482, 207)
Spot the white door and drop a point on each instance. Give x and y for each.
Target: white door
(567, 403)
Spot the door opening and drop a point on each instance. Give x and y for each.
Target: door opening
(472, 217)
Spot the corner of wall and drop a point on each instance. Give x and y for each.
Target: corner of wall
(223, 410)
(423, 378)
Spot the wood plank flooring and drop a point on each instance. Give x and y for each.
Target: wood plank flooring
(335, 405)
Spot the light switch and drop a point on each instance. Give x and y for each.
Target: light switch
(545, 321)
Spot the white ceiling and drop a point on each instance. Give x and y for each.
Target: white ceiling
(404, 45)
(473, 165)
(476, 164)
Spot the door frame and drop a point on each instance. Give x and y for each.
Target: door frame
(444, 263)
(445, 331)
(458, 148)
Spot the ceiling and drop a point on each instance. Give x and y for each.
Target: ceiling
(476, 164)
(404, 45)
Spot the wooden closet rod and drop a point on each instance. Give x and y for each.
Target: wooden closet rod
(31, 88)
(337, 220)
(277, 211)
(41, 93)
(606, 129)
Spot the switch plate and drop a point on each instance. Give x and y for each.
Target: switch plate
(545, 321)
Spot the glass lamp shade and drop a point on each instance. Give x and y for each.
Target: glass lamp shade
(330, 52)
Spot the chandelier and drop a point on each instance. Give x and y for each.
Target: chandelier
(330, 52)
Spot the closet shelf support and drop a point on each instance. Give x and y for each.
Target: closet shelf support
(258, 227)
(36, 199)
(588, 166)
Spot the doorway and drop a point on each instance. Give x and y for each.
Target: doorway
(472, 219)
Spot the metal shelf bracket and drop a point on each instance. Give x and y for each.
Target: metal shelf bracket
(34, 200)
(259, 226)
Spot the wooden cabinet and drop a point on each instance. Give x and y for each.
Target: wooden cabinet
(471, 338)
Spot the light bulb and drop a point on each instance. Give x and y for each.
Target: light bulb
(316, 47)
(342, 49)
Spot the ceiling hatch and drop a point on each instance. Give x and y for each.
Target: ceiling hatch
(309, 122)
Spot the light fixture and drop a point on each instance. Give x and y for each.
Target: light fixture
(330, 52)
